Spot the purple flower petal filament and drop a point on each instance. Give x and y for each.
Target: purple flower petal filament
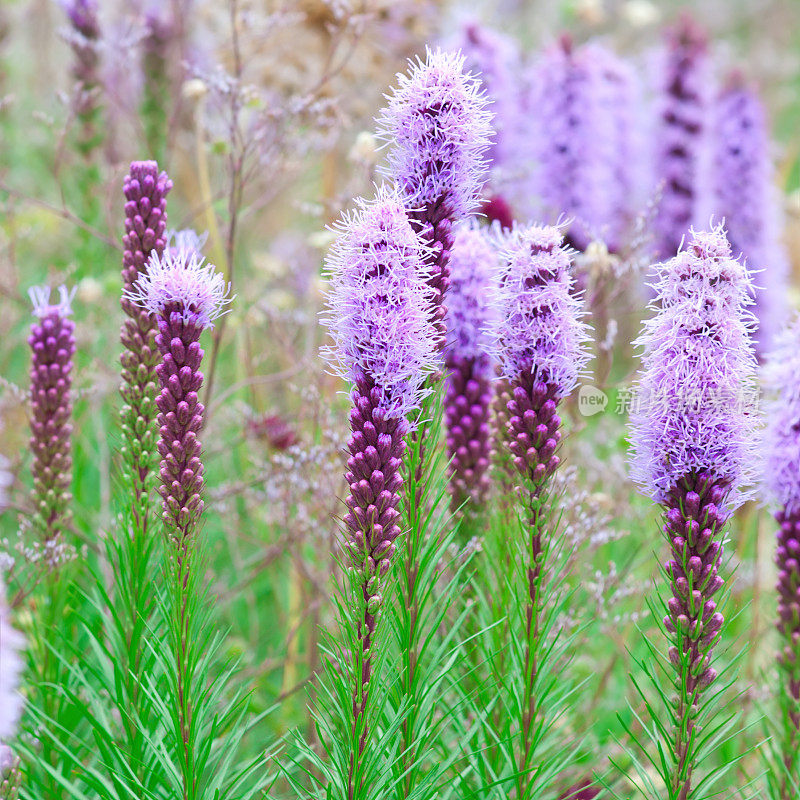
(685, 106)
(468, 397)
(782, 475)
(185, 295)
(52, 344)
(437, 128)
(693, 429)
(747, 199)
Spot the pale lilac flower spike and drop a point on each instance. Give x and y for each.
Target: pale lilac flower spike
(437, 127)
(182, 281)
(186, 241)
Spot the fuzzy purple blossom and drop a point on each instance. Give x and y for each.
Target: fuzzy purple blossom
(52, 344)
(186, 241)
(680, 136)
(746, 197)
(437, 128)
(582, 141)
(146, 192)
(380, 321)
(185, 295)
(693, 435)
(782, 488)
(474, 263)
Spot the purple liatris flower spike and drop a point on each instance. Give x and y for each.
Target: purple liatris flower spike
(11, 665)
(782, 487)
(185, 295)
(146, 192)
(52, 346)
(680, 137)
(380, 321)
(746, 197)
(437, 128)
(468, 397)
(583, 141)
(693, 432)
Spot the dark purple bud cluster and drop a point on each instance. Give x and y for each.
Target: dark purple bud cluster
(180, 419)
(694, 520)
(376, 447)
(467, 411)
(52, 344)
(787, 559)
(145, 233)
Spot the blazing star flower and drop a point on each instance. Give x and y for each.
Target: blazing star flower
(52, 346)
(380, 320)
(468, 398)
(685, 106)
(185, 295)
(693, 433)
(583, 140)
(782, 487)
(11, 666)
(746, 197)
(437, 128)
(146, 192)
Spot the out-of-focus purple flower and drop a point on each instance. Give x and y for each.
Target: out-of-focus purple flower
(693, 435)
(52, 344)
(680, 135)
(497, 209)
(186, 241)
(583, 141)
(474, 264)
(11, 665)
(146, 192)
(185, 295)
(746, 197)
(437, 128)
(782, 487)
(585, 790)
(494, 59)
(380, 321)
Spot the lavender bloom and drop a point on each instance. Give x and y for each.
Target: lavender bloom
(693, 450)
(583, 142)
(468, 396)
(145, 234)
(380, 321)
(437, 126)
(186, 296)
(52, 346)
(782, 475)
(11, 665)
(680, 136)
(747, 199)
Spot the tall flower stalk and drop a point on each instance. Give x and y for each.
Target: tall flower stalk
(381, 322)
(692, 437)
(468, 392)
(782, 445)
(185, 296)
(437, 128)
(683, 120)
(52, 344)
(540, 344)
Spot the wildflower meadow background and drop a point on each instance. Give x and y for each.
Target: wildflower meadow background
(399, 399)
